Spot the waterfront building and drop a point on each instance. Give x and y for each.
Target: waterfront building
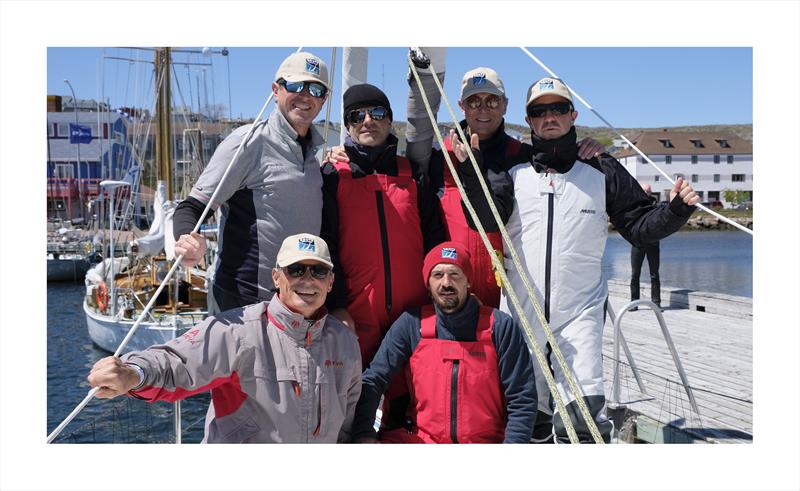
(712, 162)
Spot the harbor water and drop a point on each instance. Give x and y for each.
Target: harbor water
(707, 261)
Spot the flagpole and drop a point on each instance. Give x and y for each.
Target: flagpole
(78, 148)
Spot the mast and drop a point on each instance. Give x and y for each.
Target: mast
(164, 113)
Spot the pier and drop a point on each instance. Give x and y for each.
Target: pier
(713, 336)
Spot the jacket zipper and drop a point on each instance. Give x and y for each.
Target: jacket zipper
(387, 270)
(548, 257)
(454, 402)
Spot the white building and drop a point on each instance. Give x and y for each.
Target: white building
(712, 162)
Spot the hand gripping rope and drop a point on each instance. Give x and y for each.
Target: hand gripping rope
(666, 176)
(172, 270)
(543, 363)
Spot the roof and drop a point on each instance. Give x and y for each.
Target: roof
(684, 143)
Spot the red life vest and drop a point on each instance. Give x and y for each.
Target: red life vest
(381, 250)
(483, 283)
(455, 389)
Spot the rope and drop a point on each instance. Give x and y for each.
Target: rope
(666, 176)
(166, 279)
(544, 365)
(331, 71)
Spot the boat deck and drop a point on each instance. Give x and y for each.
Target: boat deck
(713, 335)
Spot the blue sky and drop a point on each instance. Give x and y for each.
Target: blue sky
(630, 87)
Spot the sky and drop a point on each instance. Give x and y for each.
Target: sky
(628, 86)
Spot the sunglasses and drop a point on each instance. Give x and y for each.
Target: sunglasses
(475, 102)
(357, 116)
(318, 271)
(316, 89)
(556, 108)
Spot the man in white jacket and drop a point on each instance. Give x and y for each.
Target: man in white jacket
(281, 371)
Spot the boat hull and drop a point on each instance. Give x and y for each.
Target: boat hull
(67, 269)
(108, 333)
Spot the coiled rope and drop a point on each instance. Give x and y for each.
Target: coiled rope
(543, 363)
(666, 176)
(172, 270)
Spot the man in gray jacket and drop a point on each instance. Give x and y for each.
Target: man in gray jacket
(273, 190)
(281, 371)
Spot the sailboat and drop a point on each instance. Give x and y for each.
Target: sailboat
(118, 289)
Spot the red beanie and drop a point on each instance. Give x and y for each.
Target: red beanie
(447, 252)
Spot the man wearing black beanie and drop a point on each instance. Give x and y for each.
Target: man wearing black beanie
(379, 219)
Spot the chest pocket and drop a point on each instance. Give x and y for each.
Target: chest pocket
(275, 383)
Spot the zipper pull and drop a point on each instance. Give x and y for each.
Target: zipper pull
(296, 387)
(308, 338)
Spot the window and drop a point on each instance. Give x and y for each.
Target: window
(697, 143)
(694, 178)
(737, 177)
(730, 159)
(716, 177)
(723, 143)
(668, 159)
(656, 178)
(716, 159)
(667, 143)
(694, 159)
(676, 176)
(63, 130)
(642, 160)
(50, 130)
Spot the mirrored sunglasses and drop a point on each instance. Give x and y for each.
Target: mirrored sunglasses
(557, 108)
(316, 89)
(357, 116)
(318, 271)
(491, 101)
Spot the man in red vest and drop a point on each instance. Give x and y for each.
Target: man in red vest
(379, 218)
(468, 369)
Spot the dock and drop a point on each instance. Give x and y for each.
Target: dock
(713, 336)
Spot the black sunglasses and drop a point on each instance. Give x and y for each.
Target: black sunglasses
(318, 271)
(316, 89)
(557, 108)
(357, 116)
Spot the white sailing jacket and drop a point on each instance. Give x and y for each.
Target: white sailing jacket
(273, 376)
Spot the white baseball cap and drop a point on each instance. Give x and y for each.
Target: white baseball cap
(303, 67)
(545, 86)
(479, 80)
(301, 247)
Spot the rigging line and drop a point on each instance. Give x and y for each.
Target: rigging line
(331, 71)
(666, 176)
(171, 271)
(556, 349)
(495, 260)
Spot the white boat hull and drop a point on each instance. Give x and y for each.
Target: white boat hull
(108, 333)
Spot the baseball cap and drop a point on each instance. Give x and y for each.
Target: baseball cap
(302, 67)
(447, 252)
(301, 247)
(545, 86)
(479, 80)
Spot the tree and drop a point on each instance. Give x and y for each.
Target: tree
(735, 198)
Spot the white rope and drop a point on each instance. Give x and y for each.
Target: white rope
(666, 176)
(543, 363)
(174, 267)
(331, 71)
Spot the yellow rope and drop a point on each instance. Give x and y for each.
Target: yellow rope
(544, 365)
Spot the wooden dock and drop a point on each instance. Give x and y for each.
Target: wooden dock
(713, 335)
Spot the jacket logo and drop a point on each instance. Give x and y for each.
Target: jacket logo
(190, 335)
(334, 364)
(589, 212)
(477, 353)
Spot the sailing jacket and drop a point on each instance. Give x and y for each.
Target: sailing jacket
(498, 153)
(274, 376)
(272, 191)
(512, 376)
(379, 220)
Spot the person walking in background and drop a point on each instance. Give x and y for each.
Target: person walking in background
(653, 253)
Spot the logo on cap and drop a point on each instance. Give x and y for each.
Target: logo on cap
(449, 253)
(547, 85)
(312, 66)
(479, 79)
(306, 245)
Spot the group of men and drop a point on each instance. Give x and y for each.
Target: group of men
(355, 234)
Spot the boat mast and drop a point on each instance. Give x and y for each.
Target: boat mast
(164, 113)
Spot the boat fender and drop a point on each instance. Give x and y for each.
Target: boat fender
(102, 296)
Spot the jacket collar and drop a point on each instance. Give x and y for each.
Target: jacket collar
(303, 331)
(278, 122)
(380, 160)
(462, 323)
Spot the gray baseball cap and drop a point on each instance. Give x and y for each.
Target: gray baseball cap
(479, 80)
